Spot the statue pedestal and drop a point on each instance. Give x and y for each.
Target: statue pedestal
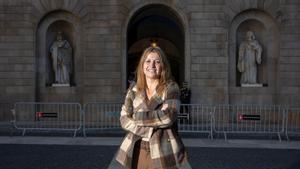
(252, 85)
(60, 85)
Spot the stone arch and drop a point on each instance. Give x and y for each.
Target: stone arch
(176, 10)
(234, 7)
(45, 31)
(41, 8)
(268, 34)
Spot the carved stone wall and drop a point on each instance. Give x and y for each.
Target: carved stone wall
(97, 31)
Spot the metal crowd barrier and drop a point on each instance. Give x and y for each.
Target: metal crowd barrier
(293, 122)
(247, 119)
(105, 116)
(101, 116)
(47, 116)
(196, 118)
(225, 119)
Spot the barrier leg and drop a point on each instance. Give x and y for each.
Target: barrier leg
(23, 133)
(75, 132)
(287, 137)
(279, 137)
(83, 131)
(225, 136)
(11, 128)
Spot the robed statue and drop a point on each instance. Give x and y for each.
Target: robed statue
(250, 55)
(61, 55)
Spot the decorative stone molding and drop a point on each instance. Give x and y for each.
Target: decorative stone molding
(234, 7)
(42, 7)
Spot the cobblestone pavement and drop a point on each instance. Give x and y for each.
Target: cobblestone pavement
(24, 156)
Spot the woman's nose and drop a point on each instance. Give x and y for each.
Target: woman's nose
(152, 64)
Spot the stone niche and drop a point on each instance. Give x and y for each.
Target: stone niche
(259, 31)
(67, 31)
(48, 89)
(266, 34)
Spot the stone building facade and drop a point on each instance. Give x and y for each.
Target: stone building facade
(200, 37)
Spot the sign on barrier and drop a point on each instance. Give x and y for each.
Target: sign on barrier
(41, 115)
(248, 117)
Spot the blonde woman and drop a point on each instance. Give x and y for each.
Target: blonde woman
(149, 115)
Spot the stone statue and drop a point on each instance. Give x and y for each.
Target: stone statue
(61, 54)
(249, 56)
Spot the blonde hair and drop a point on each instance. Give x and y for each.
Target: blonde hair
(165, 75)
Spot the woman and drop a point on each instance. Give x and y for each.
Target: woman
(149, 114)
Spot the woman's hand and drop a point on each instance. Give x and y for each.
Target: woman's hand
(164, 107)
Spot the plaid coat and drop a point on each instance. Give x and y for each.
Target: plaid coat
(145, 119)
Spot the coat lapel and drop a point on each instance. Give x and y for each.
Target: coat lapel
(141, 102)
(155, 102)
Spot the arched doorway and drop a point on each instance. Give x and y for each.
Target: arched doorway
(157, 23)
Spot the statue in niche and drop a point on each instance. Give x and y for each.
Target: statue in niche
(61, 54)
(249, 57)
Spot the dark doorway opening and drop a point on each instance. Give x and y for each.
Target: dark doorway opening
(156, 23)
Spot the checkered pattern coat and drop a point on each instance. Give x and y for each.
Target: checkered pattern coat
(146, 119)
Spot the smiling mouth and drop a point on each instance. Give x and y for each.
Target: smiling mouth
(151, 70)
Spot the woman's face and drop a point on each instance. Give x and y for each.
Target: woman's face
(152, 66)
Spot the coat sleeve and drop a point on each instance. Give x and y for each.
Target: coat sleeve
(128, 123)
(162, 118)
